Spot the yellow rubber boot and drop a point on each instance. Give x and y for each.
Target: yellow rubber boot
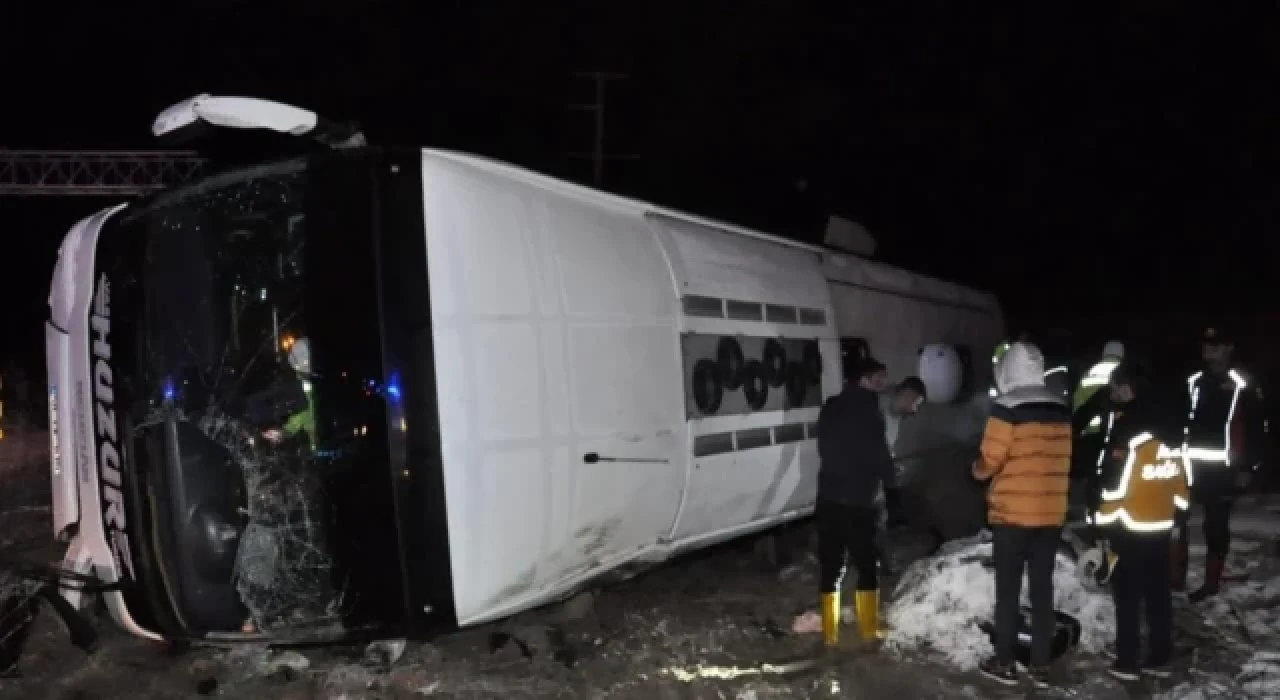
(831, 619)
(867, 606)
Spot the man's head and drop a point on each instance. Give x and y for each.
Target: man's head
(908, 396)
(1216, 349)
(872, 375)
(1113, 350)
(1128, 381)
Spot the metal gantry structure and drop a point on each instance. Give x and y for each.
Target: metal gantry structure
(94, 173)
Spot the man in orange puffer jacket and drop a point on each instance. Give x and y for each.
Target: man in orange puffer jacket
(1026, 455)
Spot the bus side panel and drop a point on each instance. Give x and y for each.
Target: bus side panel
(558, 382)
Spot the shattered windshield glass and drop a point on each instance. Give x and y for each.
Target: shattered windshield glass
(259, 393)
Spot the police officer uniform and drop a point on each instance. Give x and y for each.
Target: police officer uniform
(1218, 406)
(1145, 492)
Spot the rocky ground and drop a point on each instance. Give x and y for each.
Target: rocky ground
(716, 625)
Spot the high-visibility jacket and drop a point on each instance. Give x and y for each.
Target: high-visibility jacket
(1147, 491)
(1098, 376)
(1214, 432)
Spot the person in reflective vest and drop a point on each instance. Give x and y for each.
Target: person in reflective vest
(1088, 401)
(1218, 403)
(1142, 494)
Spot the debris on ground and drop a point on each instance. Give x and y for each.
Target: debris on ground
(385, 653)
(808, 622)
(285, 662)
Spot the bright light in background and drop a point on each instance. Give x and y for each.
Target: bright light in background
(286, 342)
(168, 390)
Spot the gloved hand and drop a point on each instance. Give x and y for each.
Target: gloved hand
(1096, 566)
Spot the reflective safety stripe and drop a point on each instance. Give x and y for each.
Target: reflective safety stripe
(1099, 374)
(1207, 454)
(1095, 421)
(1106, 438)
(1055, 370)
(1180, 502)
(1123, 516)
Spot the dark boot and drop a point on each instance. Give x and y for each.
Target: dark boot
(1212, 578)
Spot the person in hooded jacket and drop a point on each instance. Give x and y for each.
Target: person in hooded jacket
(855, 463)
(1026, 455)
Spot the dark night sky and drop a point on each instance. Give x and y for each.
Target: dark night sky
(1067, 158)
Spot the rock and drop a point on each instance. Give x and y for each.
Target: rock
(427, 654)
(577, 608)
(287, 663)
(808, 623)
(350, 681)
(767, 552)
(201, 668)
(505, 647)
(302, 689)
(385, 652)
(534, 637)
(412, 680)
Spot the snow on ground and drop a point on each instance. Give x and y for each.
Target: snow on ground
(1244, 620)
(940, 603)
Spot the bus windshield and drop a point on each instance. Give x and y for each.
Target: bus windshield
(255, 389)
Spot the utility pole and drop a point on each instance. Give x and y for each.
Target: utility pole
(598, 154)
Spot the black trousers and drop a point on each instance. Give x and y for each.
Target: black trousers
(1141, 582)
(846, 533)
(1213, 487)
(1032, 549)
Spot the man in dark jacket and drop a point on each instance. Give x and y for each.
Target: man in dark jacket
(1220, 436)
(1140, 495)
(855, 463)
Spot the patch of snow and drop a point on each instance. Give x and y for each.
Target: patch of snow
(1261, 674)
(1253, 604)
(941, 601)
(1259, 677)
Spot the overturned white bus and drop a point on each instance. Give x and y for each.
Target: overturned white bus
(386, 390)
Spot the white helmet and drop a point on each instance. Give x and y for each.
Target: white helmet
(300, 356)
(1113, 348)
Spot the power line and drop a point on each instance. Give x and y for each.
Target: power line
(95, 173)
(598, 155)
